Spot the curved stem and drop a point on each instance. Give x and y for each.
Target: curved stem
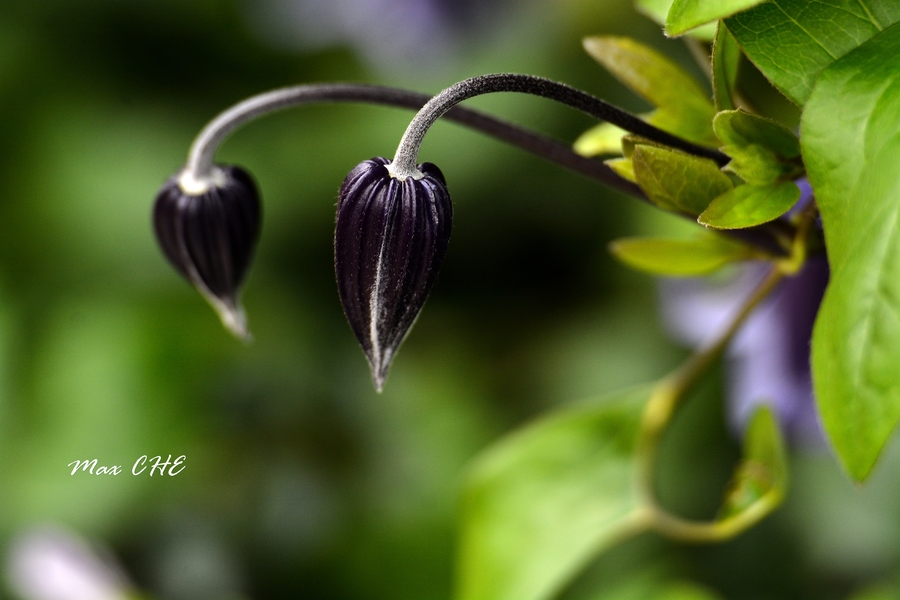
(659, 410)
(200, 167)
(199, 173)
(404, 163)
(714, 531)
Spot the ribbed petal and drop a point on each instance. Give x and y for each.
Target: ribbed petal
(390, 240)
(210, 238)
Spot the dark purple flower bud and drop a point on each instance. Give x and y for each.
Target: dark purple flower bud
(208, 230)
(389, 243)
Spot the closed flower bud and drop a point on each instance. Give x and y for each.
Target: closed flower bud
(389, 243)
(208, 230)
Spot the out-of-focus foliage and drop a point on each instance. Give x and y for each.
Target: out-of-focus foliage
(538, 505)
(301, 482)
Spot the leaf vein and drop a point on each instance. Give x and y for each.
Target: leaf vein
(868, 12)
(869, 320)
(803, 29)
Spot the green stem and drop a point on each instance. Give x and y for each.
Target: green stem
(665, 399)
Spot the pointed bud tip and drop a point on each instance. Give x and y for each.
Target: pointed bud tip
(208, 229)
(234, 319)
(390, 240)
(380, 366)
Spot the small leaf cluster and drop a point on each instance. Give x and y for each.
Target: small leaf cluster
(755, 187)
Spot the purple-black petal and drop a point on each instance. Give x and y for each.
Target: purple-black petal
(210, 237)
(390, 240)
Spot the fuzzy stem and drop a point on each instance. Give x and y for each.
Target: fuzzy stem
(199, 173)
(404, 163)
(200, 166)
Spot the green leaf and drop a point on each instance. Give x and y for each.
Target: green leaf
(604, 138)
(702, 255)
(757, 165)
(688, 14)
(677, 181)
(623, 167)
(726, 58)
(792, 41)
(684, 107)
(852, 152)
(545, 500)
(762, 151)
(631, 141)
(749, 205)
(762, 474)
(739, 128)
(658, 10)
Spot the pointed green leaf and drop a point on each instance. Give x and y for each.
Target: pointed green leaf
(684, 107)
(852, 152)
(630, 142)
(601, 139)
(658, 10)
(726, 57)
(702, 255)
(541, 503)
(677, 181)
(762, 474)
(739, 128)
(749, 205)
(623, 167)
(688, 14)
(655, 9)
(792, 41)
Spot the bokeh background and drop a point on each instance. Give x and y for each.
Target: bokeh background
(301, 481)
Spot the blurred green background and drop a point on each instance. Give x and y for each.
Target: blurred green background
(301, 481)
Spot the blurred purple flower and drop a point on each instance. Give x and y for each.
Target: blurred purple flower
(53, 564)
(387, 33)
(768, 359)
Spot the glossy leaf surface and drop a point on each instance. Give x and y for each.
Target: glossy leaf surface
(541, 503)
(854, 168)
(688, 14)
(658, 10)
(749, 205)
(792, 41)
(702, 255)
